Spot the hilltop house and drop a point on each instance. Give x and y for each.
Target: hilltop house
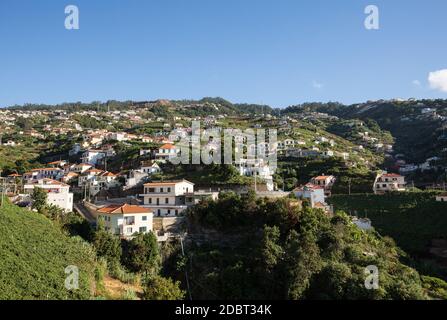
(58, 193)
(387, 182)
(125, 220)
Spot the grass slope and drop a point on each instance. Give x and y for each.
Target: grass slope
(34, 255)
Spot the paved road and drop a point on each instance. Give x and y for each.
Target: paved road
(82, 210)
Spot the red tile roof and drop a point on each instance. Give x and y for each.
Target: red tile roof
(391, 175)
(167, 146)
(124, 209)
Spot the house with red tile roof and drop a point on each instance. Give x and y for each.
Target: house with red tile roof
(166, 152)
(388, 182)
(325, 181)
(126, 220)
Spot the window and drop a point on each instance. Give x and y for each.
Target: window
(166, 200)
(169, 189)
(161, 189)
(143, 229)
(150, 200)
(158, 212)
(129, 230)
(176, 212)
(169, 211)
(151, 189)
(144, 218)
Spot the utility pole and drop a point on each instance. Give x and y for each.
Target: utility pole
(256, 187)
(186, 271)
(3, 192)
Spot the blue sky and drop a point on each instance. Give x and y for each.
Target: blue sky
(278, 52)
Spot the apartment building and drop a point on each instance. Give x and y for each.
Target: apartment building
(58, 193)
(44, 173)
(168, 198)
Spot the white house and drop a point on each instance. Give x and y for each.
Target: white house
(386, 182)
(314, 193)
(58, 193)
(166, 152)
(140, 175)
(103, 181)
(362, 223)
(125, 220)
(93, 156)
(80, 168)
(252, 167)
(442, 197)
(324, 181)
(149, 167)
(167, 198)
(44, 173)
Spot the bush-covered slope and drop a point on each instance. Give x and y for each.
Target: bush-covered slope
(261, 249)
(413, 219)
(34, 254)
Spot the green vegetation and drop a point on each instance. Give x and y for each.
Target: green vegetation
(299, 171)
(35, 253)
(159, 288)
(413, 219)
(261, 249)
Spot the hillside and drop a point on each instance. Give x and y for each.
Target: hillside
(35, 254)
(418, 126)
(242, 248)
(413, 219)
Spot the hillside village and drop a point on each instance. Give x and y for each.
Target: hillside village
(109, 153)
(113, 163)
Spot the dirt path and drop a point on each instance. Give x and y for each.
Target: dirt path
(117, 289)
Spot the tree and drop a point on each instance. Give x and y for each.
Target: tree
(159, 288)
(143, 254)
(107, 245)
(39, 198)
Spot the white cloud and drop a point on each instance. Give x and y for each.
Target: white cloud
(438, 80)
(416, 83)
(317, 85)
